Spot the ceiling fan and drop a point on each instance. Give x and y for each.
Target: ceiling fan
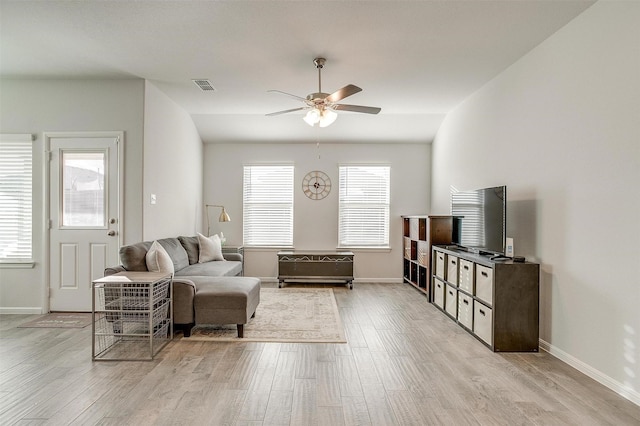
(321, 106)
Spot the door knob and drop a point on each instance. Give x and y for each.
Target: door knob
(111, 233)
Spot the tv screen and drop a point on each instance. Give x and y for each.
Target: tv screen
(480, 219)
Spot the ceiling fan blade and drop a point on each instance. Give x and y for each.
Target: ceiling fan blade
(340, 94)
(357, 108)
(288, 94)
(285, 111)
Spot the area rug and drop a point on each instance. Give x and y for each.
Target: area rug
(59, 320)
(284, 315)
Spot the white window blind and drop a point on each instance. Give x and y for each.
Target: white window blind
(364, 206)
(15, 198)
(268, 205)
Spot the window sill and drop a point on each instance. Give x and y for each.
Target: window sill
(345, 248)
(17, 265)
(365, 249)
(267, 248)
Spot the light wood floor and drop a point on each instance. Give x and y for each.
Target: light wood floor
(405, 364)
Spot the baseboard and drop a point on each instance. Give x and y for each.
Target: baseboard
(378, 280)
(619, 388)
(20, 311)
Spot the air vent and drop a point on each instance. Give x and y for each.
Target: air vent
(204, 85)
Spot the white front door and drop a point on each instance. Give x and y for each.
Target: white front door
(84, 215)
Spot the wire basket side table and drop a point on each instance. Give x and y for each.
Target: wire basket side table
(132, 316)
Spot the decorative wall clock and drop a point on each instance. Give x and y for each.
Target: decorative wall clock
(316, 185)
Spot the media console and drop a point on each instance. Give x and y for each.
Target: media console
(497, 301)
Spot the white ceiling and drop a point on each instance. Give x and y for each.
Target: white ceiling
(416, 60)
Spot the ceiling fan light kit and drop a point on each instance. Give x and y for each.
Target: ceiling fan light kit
(322, 118)
(321, 106)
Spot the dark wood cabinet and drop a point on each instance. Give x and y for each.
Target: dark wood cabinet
(420, 233)
(497, 301)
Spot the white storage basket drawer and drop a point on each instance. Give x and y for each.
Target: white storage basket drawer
(452, 269)
(438, 293)
(465, 310)
(451, 301)
(423, 253)
(484, 283)
(466, 275)
(414, 228)
(482, 321)
(407, 247)
(441, 260)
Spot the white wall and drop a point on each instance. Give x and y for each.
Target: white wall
(172, 168)
(316, 222)
(38, 105)
(169, 165)
(561, 128)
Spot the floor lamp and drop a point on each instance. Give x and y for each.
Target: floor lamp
(224, 217)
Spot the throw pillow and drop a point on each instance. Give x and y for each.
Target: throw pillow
(176, 252)
(158, 260)
(210, 248)
(192, 248)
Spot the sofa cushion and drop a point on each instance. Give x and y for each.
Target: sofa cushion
(176, 252)
(212, 269)
(210, 248)
(158, 260)
(225, 301)
(190, 245)
(133, 256)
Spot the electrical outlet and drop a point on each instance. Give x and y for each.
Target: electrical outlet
(509, 247)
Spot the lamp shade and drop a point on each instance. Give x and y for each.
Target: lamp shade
(328, 117)
(321, 116)
(312, 117)
(224, 217)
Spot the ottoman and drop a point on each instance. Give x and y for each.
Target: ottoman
(225, 300)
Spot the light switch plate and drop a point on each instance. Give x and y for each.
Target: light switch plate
(509, 247)
(153, 198)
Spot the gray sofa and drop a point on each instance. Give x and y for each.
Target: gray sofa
(203, 293)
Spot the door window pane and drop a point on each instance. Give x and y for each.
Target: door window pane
(83, 188)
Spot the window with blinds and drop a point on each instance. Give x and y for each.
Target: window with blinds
(268, 205)
(364, 206)
(15, 198)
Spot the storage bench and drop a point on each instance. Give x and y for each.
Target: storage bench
(316, 266)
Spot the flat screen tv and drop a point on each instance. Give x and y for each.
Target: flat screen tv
(480, 223)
